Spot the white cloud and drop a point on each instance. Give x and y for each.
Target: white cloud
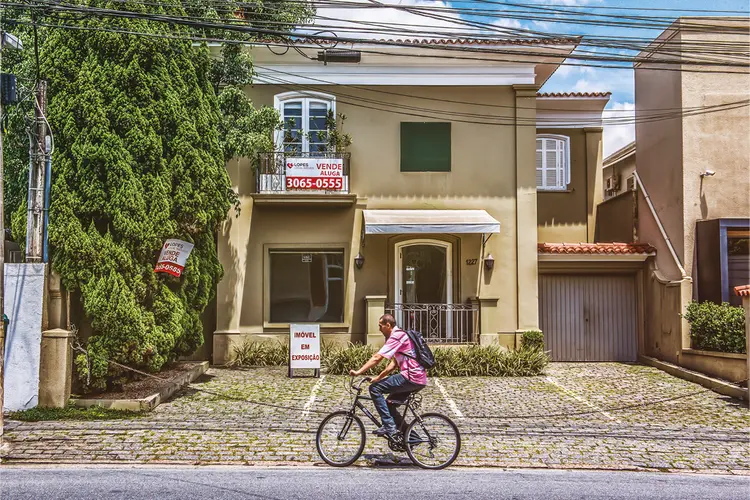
(617, 136)
(397, 23)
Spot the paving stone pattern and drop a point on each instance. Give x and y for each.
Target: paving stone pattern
(600, 416)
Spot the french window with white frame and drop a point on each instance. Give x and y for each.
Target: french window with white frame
(304, 116)
(552, 162)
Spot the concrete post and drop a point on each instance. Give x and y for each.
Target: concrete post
(594, 188)
(375, 309)
(488, 320)
(526, 209)
(55, 368)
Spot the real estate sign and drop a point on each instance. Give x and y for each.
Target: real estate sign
(318, 174)
(173, 256)
(304, 346)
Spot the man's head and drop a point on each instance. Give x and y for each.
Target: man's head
(386, 324)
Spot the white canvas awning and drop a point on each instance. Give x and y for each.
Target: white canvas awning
(429, 221)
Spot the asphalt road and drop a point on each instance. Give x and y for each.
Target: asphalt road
(144, 482)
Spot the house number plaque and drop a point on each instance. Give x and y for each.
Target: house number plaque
(471, 262)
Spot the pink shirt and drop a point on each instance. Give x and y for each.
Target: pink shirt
(399, 345)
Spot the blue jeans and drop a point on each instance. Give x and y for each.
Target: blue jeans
(395, 385)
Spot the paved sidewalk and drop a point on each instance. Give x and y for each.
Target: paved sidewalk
(598, 416)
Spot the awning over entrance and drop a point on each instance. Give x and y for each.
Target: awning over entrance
(429, 221)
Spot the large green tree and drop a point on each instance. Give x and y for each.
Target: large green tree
(140, 150)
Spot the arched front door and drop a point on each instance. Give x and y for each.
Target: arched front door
(424, 286)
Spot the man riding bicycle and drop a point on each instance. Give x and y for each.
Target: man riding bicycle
(399, 350)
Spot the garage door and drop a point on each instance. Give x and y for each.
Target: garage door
(588, 317)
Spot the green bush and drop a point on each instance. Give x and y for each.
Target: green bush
(41, 414)
(467, 361)
(488, 361)
(253, 353)
(532, 339)
(338, 360)
(716, 327)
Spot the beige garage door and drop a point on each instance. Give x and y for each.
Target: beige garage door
(588, 317)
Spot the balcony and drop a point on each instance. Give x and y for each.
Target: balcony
(303, 175)
(439, 323)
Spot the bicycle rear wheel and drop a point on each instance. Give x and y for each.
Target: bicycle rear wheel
(433, 441)
(340, 439)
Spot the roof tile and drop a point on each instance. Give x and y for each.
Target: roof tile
(596, 248)
(573, 94)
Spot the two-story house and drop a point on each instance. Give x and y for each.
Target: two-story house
(459, 168)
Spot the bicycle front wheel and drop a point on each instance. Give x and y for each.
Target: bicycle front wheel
(340, 439)
(433, 441)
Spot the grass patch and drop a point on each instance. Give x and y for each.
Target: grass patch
(41, 414)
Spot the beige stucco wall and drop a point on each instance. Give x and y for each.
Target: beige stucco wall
(569, 216)
(487, 172)
(673, 153)
(624, 169)
(660, 153)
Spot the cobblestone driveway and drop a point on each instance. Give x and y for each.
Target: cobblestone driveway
(575, 416)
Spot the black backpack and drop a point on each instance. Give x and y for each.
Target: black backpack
(424, 355)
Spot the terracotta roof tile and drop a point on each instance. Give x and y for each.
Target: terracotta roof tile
(742, 291)
(596, 248)
(573, 94)
(326, 43)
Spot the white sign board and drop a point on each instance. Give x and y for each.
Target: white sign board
(304, 346)
(173, 256)
(315, 174)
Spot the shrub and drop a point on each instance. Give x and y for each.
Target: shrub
(253, 353)
(467, 361)
(532, 339)
(716, 327)
(488, 361)
(338, 360)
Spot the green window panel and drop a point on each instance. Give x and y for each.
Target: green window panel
(425, 147)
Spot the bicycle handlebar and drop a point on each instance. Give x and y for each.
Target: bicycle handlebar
(358, 387)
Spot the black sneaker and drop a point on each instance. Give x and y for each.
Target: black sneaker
(382, 431)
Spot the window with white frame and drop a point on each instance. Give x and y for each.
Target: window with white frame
(552, 162)
(304, 115)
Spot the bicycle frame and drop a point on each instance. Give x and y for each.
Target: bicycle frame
(356, 403)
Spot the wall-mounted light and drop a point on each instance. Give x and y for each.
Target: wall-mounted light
(359, 261)
(489, 262)
(708, 173)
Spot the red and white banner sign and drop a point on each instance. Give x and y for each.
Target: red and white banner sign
(173, 256)
(304, 348)
(318, 174)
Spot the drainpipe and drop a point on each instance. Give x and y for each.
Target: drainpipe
(661, 227)
(47, 188)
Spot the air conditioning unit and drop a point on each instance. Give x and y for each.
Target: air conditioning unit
(612, 183)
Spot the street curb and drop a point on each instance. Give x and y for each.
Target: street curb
(147, 403)
(166, 464)
(714, 384)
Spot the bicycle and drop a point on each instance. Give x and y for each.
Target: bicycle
(341, 436)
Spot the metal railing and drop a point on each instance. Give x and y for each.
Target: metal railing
(439, 323)
(271, 176)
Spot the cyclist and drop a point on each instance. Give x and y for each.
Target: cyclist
(399, 350)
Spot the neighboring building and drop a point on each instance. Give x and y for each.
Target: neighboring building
(693, 183)
(458, 170)
(619, 172)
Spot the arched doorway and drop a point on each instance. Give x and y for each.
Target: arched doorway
(424, 286)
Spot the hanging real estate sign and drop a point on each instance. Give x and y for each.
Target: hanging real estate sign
(304, 346)
(315, 174)
(173, 256)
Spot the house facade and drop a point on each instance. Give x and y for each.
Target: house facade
(692, 182)
(457, 170)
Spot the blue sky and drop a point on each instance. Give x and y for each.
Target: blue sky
(567, 78)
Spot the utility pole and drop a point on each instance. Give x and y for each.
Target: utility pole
(39, 151)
